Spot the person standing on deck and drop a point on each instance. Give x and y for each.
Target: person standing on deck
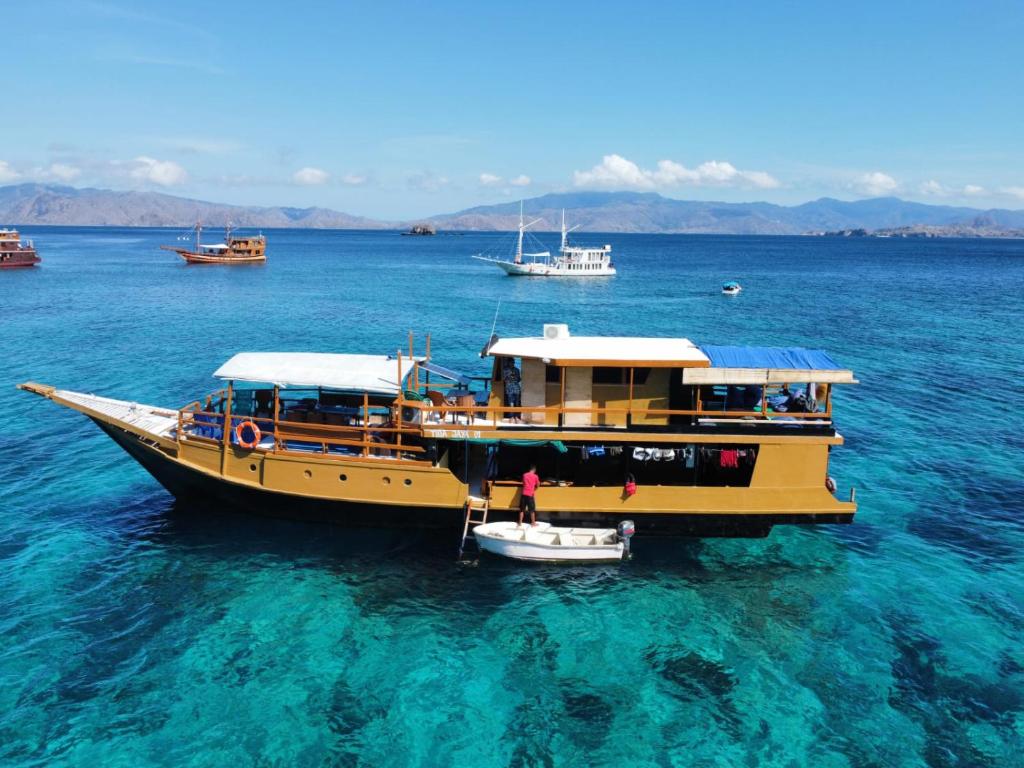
(513, 389)
(529, 497)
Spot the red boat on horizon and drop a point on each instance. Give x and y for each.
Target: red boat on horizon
(14, 252)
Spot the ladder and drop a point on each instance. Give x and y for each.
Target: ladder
(474, 504)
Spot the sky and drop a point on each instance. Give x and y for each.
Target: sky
(397, 110)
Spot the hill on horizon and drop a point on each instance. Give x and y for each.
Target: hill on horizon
(646, 212)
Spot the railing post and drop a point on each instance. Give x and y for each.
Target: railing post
(226, 429)
(629, 411)
(399, 401)
(277, 412)
(366, 424)
(561, 396)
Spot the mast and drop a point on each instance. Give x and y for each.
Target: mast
(199, 229)
(519, 247)
(564, 233)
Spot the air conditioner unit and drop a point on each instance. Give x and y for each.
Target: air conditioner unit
(556, 331)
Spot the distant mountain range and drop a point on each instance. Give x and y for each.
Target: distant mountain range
(26, 204)
(47, 204)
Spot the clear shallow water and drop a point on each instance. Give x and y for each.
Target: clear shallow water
(137, 631)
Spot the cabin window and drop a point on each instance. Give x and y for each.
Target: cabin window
(640, 376)
(607, 375)
(552, 374)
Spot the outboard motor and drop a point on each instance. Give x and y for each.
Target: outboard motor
(625, 531)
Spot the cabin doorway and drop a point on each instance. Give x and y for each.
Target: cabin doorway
(680, 398)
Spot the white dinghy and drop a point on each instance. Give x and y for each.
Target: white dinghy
(548, 543)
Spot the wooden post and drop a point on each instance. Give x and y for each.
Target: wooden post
(764, 400)
(428, 348)
(398, 403)
(629, 410)
(226, 430)
(366, 424)
(561, 396)
(411, 355)
(277, 412)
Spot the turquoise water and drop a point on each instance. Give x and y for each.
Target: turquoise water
(135, 631)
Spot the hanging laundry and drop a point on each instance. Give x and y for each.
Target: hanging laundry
(728, 459)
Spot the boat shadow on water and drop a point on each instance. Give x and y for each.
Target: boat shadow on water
(157, 520)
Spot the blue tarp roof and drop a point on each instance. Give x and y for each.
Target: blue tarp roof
(793, 358)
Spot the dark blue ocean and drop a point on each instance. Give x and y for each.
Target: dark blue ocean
(137, 631)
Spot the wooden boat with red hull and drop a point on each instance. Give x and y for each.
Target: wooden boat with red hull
(234, 250)
(14, 252)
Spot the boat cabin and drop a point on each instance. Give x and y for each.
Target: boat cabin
(660, 383)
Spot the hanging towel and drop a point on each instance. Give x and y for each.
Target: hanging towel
(728, 459)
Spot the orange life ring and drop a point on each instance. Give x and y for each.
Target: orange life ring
(255, 434)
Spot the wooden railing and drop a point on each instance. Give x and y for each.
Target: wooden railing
(392, 439)
(449, 415)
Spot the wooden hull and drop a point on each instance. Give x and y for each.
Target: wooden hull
(191, 257)
(20, 261)
(378, 492)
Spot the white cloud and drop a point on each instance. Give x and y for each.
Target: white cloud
(427, 181)
(310, 177)
(194, 145)
(7, 174)
(490, 180)
(353, 179)
(61, 172)
(937, 189)
(1017, 192)
(163, 172)
(875, 184)
(615, 171)
(522, 180)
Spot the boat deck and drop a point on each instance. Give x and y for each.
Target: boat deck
(158, 422)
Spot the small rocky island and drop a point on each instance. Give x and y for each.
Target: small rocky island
(421, 229)
(981, 226)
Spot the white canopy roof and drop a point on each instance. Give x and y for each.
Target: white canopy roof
(612, 350)
(362, 373)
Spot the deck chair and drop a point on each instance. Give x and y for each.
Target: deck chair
(440, 403)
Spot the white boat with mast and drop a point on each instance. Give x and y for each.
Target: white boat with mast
(571, 261)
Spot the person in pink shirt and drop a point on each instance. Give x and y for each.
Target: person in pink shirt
(529, 497)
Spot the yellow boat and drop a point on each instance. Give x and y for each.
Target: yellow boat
(680, 438)
(249, 249)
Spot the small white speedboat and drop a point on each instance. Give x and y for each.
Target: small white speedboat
(731, 288)
(548, 543)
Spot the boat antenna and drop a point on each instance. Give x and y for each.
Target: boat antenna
(495, 323)
(492, 338)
